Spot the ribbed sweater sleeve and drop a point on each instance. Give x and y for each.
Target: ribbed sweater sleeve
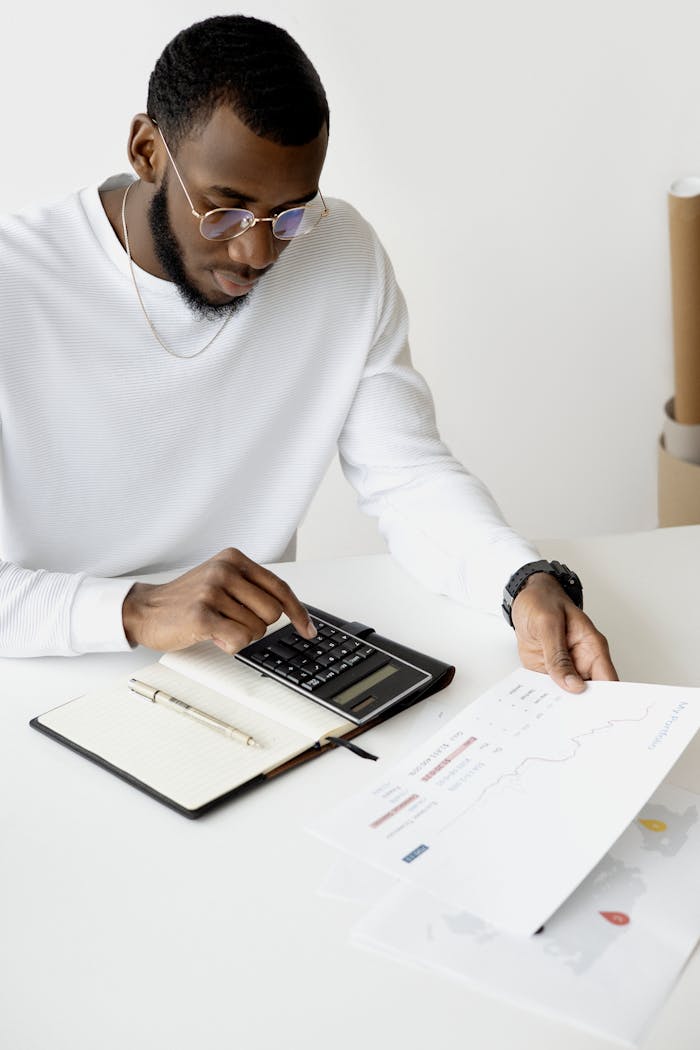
(59, 614)
(439, 521)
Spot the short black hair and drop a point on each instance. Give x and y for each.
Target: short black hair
(253, 66)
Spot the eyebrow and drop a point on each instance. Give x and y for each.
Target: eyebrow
(237, 195)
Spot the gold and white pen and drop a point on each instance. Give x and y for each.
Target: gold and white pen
(159, 696)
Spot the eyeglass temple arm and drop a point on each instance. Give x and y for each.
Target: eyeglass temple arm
(167, 150)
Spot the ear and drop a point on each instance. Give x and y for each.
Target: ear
(143, 148)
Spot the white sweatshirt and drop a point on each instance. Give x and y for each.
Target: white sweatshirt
(119, 459)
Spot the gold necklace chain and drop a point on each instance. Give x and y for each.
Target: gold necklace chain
(138, 295)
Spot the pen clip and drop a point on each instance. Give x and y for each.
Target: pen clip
(148, 692)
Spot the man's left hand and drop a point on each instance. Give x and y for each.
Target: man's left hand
(556, 637)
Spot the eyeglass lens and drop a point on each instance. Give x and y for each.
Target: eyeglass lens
(226, 223)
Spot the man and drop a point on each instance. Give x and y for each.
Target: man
(183, 353)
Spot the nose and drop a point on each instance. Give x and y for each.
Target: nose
(257, 248)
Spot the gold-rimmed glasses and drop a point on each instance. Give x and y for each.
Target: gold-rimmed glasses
(223, 224)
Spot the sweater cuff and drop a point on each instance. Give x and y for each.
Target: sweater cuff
(487, 577)
(96, 623)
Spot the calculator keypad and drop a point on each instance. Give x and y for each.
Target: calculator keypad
(331, 662)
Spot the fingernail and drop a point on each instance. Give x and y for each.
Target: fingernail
(311, 630)
(572, 681)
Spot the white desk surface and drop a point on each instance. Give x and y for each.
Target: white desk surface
(124, 926)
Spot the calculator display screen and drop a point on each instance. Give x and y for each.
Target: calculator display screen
(365, 683)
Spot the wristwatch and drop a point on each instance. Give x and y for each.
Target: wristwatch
(561, 573)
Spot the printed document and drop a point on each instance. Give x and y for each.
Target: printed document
(605, 961)
(505, 810)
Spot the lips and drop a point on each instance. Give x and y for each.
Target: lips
(231, 284)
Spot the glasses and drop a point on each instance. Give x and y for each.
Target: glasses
(223, 224)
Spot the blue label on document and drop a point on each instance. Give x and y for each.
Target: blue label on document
(414, 853)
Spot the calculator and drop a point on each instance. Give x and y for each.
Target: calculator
(336, 669)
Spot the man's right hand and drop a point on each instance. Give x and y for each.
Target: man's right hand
(229, 600)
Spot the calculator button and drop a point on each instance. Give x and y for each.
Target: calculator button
(352, 660)
(326, 632)
(364, 652)
(311, 683)
(284, 652)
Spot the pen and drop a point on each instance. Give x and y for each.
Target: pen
(159, 696)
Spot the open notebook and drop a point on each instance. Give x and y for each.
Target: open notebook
(185, 764)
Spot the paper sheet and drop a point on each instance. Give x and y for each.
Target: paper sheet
(605, 961)
(510, 805)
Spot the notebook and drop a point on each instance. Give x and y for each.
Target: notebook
(186, 765)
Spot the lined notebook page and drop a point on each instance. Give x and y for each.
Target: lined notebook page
(211, 666)
(189, 763)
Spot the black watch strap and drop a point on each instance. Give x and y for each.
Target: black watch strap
(562, 574)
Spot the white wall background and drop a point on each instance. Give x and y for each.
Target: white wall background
(539, 139)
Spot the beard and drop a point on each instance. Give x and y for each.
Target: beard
(169, 256)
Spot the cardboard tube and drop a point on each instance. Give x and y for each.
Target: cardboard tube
(679, 490)
(684, 228)
(681, 440)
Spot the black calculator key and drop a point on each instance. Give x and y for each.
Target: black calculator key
(352, 660)
(311, 684)
(285, 652)
(364, 652)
